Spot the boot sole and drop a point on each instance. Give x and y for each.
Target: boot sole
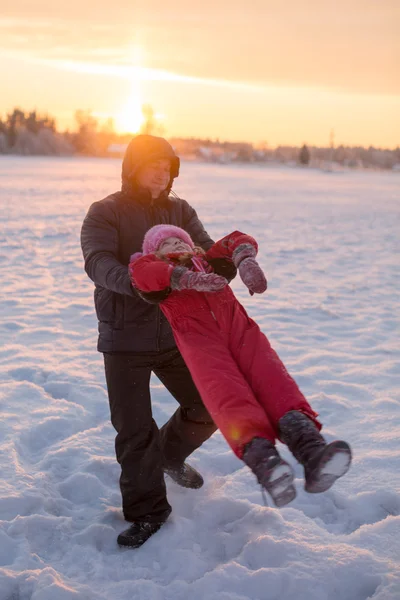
(280, 485)
(127, 544)
(334, 463)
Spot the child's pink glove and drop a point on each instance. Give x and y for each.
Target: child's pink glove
(184, 279)
(249, 270)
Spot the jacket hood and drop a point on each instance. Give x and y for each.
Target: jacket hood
(143, 149)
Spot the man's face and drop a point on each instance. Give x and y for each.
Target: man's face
(173, 244)
(155, 176)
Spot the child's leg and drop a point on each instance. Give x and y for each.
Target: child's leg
(222, 386)
(233, 406)
(272, 472)
(323, 463)
(288, 411)
(274, 388)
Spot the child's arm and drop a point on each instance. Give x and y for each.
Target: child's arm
(219, 256)
(241, 249)
(151, 274)
(228, 246)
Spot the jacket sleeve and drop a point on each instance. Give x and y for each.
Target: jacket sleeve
(195, 228)
(150, 274)
(225, 248)
(99, 241)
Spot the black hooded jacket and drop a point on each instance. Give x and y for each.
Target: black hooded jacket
(112, 231)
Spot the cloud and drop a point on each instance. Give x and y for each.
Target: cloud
(311, 45)
(130, 72)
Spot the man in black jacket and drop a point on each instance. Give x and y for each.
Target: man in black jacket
(136, 339)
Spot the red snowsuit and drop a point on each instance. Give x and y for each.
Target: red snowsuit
(241, 379)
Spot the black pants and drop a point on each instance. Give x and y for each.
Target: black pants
(142, 448)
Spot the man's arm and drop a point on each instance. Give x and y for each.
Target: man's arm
(221, 265)
(195, 228)
(99, 241)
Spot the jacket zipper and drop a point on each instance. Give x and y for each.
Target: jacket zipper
(152, 223)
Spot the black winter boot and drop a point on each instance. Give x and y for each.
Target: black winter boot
(274, 474)
(138, 533)
(184, 475)
(323, 463)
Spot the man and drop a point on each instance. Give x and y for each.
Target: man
(136, 339)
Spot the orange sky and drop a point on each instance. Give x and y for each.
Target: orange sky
(258, 70)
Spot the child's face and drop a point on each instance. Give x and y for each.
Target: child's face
(173, 244)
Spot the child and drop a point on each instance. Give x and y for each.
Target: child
(243, 383)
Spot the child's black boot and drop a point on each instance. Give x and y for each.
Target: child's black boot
(323, 463)
(273, 473)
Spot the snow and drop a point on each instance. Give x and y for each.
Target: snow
(329, 243)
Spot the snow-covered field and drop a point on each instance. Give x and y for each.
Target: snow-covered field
(330, 245)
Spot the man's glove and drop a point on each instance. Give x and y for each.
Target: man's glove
(249, 270)
(184, 279)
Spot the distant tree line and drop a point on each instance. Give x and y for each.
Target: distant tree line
(345, 156)
(30, 133)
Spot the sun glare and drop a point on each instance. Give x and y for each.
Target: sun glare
(130, 118)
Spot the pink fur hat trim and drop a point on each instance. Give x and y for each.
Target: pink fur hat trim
(157, 234)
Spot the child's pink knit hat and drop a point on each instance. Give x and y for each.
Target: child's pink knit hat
(157, 234)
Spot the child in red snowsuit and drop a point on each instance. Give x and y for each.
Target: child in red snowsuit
(243, 383)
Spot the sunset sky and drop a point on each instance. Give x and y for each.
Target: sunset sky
(257, 70)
